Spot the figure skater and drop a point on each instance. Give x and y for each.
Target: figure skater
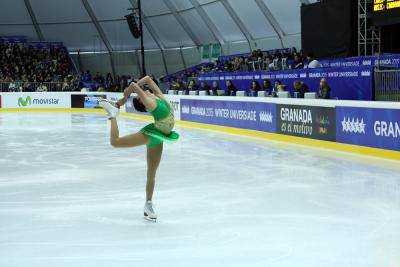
(153, 135)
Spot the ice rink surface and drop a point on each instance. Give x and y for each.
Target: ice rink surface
(67, 198)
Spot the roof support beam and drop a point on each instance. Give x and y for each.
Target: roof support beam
(182, 22)
(238, 22)
(210, 25)
(101, 32)
(271, 19)
(183, 58)
(34, 21)
(139, 63)
(153, 33)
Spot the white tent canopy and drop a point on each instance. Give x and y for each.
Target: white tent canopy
(99, 25)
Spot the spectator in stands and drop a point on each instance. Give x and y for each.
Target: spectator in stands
(109, 82)
(192, 86)
(215, 88)
(98, 78)
(87, 77)
(324, 91)
(254, 88)
(205, 87)
(312, 63)
(180, 86)
(300, 88)
(230, 88)
(21, 63)
(267, 86)
(41, 88)
(297, 63)
(278, 87)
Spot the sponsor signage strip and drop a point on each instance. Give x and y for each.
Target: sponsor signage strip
(362, 126)
(372, 127)
(36, 100)
(248, 115)
(307, 121)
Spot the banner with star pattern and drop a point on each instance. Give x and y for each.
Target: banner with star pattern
(372, 127)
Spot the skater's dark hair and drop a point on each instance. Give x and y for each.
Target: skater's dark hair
(138, 105)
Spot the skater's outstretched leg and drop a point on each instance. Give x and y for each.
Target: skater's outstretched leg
(132, 140)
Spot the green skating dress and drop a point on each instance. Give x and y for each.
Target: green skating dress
(161, 129)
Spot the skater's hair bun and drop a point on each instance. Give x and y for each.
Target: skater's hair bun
(138, 105)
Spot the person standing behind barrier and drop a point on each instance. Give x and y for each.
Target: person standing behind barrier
(215, 88)
(300, 88)
(230, 88)
(254, 88)
(324, 91)
(267, 87)
(205, 87)
(278, 87)
(192, 86)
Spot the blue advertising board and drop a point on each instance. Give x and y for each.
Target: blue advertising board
(346, 83)
(392, 60)
(247, 115)
(92, 101)
(372, 127)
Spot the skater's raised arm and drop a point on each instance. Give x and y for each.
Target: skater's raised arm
(147, 101)
(153, 86)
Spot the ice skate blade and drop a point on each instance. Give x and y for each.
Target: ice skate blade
(147, 218)
(150, 219)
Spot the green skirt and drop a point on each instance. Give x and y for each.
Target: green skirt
(156, 137)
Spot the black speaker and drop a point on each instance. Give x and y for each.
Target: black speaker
(133, 27)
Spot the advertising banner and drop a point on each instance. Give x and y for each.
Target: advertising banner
(36, 100)
(92, 101)
(346, 83)
(373, 127)
(247, 115)
(384, 60)
(306, 121)
(86, 101)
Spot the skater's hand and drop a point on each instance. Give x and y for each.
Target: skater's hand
(144, 80)
(134, 87)
(128, 91)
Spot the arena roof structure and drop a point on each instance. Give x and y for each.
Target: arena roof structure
(99, 25)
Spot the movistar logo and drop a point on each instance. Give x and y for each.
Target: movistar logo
(24, 102)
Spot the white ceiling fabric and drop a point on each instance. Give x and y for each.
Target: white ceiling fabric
(167, 23)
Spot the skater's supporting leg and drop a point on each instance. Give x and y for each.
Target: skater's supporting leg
(153, 161)
(133, 140)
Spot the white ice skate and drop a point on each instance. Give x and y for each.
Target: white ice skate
(109, 107)
(149, 213)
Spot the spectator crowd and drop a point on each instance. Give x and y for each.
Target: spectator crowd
(266, 87)
(27, 68)
(258, 60)
(99, 82)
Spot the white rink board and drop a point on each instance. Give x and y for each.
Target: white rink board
(10, 100)
(36, 100)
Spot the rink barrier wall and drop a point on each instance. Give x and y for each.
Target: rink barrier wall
(367, 128)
